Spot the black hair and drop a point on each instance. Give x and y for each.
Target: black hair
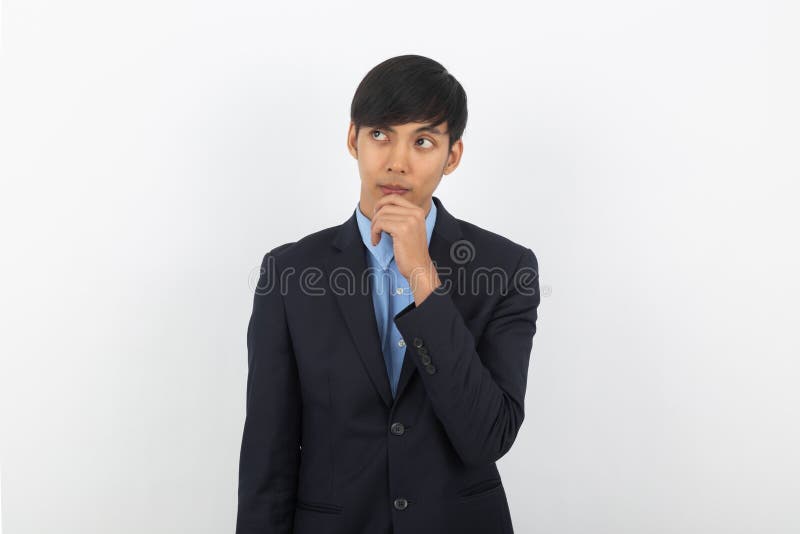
(410, 88)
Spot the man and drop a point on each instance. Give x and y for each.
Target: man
(388, 355)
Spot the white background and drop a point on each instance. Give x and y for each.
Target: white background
(151, 152)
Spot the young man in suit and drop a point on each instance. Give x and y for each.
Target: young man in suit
(388, 355)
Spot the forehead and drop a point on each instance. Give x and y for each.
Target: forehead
(416, 127)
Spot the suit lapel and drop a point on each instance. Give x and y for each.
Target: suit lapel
(349, 258)
(355, 302)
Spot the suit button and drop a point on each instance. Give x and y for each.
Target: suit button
(422, 350)
(418, 342)
(400, 504)
(431, 369)
(426, 360)
(398, 429)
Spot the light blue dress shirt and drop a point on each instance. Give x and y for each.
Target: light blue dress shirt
(391, 291)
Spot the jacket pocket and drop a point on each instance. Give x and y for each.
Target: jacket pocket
(480, 489)
(321, 507)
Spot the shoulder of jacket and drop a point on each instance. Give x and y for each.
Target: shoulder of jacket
(313, 242)
(491, 243)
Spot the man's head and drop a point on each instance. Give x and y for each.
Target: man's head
(406, 121)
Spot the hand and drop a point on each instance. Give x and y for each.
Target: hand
(405, 222)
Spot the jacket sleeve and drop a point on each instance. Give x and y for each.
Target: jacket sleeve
(270, 450)
(477, 392)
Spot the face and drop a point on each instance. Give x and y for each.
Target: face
(412, 156)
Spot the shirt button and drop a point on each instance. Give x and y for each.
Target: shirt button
(401, 343)
(399, 290)
(398, 429)
(400, 504)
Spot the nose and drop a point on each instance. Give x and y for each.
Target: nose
(397, 160)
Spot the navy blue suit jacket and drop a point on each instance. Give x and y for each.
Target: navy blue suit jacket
(325, 448)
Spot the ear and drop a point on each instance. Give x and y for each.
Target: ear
(352, 140)
(454, 157)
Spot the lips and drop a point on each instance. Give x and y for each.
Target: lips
(389, 190)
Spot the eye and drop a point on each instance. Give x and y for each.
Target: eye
(430, 145)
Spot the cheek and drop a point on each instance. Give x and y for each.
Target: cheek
(369, 159)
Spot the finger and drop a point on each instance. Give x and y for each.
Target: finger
(393, 198)
(384, 223)
(379, 224)
(393, 209)
(405, 211)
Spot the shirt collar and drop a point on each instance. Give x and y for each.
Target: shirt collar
(384, 250)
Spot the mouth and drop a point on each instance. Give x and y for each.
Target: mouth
(393, 189)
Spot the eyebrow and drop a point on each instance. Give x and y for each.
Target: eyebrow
(420, 129)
